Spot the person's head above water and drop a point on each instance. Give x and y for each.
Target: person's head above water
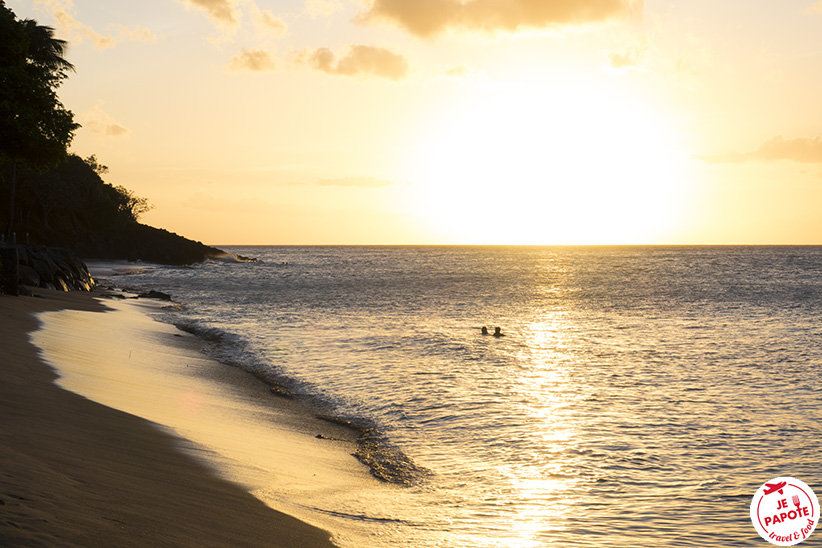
(498, 332)
(484, 330)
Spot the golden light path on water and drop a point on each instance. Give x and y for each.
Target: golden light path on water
(546, 392)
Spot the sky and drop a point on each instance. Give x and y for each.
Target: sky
(454, 121)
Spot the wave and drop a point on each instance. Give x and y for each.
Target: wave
(232, 349)
(228, 257)
(385, 460)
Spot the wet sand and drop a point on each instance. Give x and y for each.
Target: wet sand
(77, 473)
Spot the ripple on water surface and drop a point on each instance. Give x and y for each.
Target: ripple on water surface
(639, 397)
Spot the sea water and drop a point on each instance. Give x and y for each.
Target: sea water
(639, 395)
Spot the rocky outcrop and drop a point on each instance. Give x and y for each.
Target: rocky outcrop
(139, 242)
(156, 295)
(40, 266)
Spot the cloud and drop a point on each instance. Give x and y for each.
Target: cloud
(255, 60)
(76, 32)
(231, 17)
(815, 8)
(101, 123)
(271, 23)
(221, 11)
(630, 58)
(136, 34)
(797, 150)
(460, 71)
(802, 150)
(368, 182)
(265, 22)
(359, 60)
(322, 8)
(427, 18)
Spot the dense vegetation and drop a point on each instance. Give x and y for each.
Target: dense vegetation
(57, 198)
(71, 206)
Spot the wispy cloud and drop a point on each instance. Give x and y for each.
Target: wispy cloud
(265, 22)
(243, 19)
(322, 8)
(358, 60)
(632, 57)
(220, 11)
(430, 17)
(368, 182)
(76, 32)
(460, 71)
(802, 150)
(798, 150)
(269, 22)
(101, 123)
(815, 8)
(255, 60)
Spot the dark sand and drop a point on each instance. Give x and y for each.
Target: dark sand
(77, 473)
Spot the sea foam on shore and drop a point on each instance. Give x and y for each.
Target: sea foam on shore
(285, 456)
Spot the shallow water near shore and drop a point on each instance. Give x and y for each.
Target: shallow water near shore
(640, 396)
(276, 449)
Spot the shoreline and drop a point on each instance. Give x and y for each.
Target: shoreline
(79, 473)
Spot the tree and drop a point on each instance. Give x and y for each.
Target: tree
(71, 205)
(35, 128)
(132, 205)
(45, 50)
(96, 166)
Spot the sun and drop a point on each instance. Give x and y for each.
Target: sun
(549, 164)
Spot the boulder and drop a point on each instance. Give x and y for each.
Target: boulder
(52, 268)
(155, 295)
(29, 276)
(61, 283)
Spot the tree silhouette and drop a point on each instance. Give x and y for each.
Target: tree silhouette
(131, 205)
(72, 206)
(35, 127)
(45, 50)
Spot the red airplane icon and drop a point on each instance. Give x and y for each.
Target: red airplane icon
(773, 487)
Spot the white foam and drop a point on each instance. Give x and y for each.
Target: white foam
(126, 360)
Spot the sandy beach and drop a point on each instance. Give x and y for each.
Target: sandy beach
(77, 473)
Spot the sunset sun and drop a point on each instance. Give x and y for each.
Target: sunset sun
(550, 164)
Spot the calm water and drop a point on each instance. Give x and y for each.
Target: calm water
(639, 397)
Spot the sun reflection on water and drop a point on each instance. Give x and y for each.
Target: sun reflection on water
(547, 392)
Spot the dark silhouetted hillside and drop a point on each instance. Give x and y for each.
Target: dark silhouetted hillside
(71, 206)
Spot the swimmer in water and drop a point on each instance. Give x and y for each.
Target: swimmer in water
(484, 330)
(498, 332)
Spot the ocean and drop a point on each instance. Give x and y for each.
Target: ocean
(639, 396)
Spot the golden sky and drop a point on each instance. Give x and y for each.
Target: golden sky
(454, 121)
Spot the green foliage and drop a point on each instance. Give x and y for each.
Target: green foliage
(71, 206)
(132, 205)
(98, 168)
(71, 202)
(35, 127)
